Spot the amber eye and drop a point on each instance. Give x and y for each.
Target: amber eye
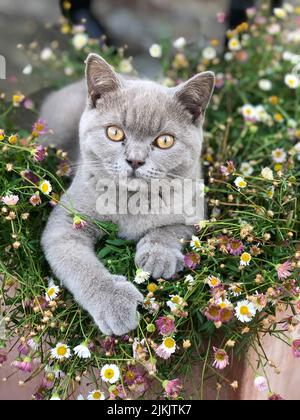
(115, 133)
(165, 141)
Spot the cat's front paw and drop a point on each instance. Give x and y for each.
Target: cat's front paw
(159, 260)
(119, 308)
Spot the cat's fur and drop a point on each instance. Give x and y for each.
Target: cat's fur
(144, 110)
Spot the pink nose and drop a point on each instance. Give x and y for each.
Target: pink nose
(135, 164)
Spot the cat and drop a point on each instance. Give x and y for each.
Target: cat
(131, 126)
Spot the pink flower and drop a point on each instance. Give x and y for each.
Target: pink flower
(221, 17)
(24, 365)
(261, 384)
(229, 169)
(251, 12)
(213, 312)
(35, 200)
(39, 153)
(165, 325)
(40, 128)
(173, 388)
(221, 359)
(3, 358)
(24, 349)
(28, 104)
(275, 397)
(78, 223)
(10, 200)
(191, 260)
(284, 271)
(296, 348)
(235, 247)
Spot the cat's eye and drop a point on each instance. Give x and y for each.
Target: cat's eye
(165, 141)
(115, 133)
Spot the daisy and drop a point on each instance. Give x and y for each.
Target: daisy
(268, 174)
(79, 223)
(80, 40)
(213, 281)
(61, 352)
(221, 359)
(284, 271)
(46, 54)
(110, 373)
(240, 183)
(167, 348)
(195, 243)
(249, 113)
(190, 280)
(125, 66)
(246, 169)
(165, 325)
(175, 302)
(235, 246)
(292, 81)
(209, 53)
(179, 43)
(245, 311)
(141, 276)
(96, 395)
(265, 85)
(46, 187)
(52, 292)
(236, 289)
(191, 260)
(280, 13)
(2, 134)
(234, 44)
(82, 351)
(10, 200)
(35, 200)
(261, 384)
(34, 343)
(245, 258)
(279, 155)
(155, 51)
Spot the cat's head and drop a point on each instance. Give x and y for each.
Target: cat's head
(140, 128)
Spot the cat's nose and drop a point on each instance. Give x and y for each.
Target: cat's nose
(135, 164)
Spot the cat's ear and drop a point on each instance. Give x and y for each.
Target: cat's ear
(196, 93)
(101, 78)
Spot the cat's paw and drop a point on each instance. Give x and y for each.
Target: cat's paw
(119, 308)
(158, 260)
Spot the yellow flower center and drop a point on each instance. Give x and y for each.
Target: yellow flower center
(97, 395)
(44, 188)
(175, 299)
(51, 292)
(197, 244)
(169, 343)
(109, 373)
(62, 351)
(244, 310)
(214, 281)
(242, 184)
(223, 305)
(246, 257)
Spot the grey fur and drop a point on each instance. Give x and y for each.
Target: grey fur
(144, 110)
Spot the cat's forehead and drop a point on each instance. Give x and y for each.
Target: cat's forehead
(145, 109)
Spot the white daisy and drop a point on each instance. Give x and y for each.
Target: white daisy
(213, 281)
(279, 155)
(34, 343)
(209, 53)
(125, 66)
(46, 187)
(82, 351)
(52, 292)
(167, 348)
(175, 302)
(195, 243)
(265, 85)
(240, 182)
(96, 395)
(245, 311)
(292, 81)
(189, 280)
(249, 112)
(236, 289)
(46, 54)
(155, 51)
(61, 351)
(245, 259)
(80, 40)
(246, 169)
(141, 276)
(261, 114)
(80, 397)
(179, 43)
(280, 13)
(234, 44)
(110, 373)
(268, 174)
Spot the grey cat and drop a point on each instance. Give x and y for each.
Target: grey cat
(129, 126)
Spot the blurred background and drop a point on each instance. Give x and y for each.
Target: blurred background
(137, 23)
